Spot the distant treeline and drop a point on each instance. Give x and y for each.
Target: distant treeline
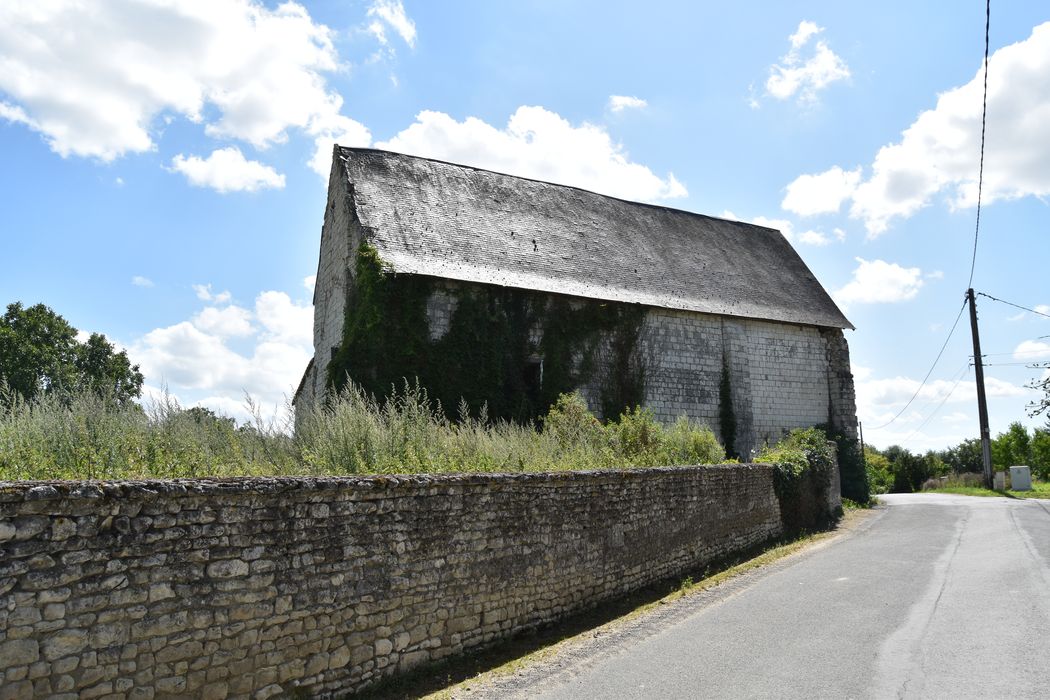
(897, 470)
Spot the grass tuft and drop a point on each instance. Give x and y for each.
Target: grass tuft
(83, 436)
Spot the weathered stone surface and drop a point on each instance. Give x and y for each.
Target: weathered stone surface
(64, 643)
(19, 652)
(227, 568)
(160, 591)
(400, 571)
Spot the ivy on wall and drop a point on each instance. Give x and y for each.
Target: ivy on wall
(490, 354)
(726, 414)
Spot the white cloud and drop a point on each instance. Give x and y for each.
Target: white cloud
(895, 392)
(822, 193)
(204, 293)
(391, 13)
(140, 281)
(939, 153)
(17, 115)
(814, 238)
(336, 129)
(1042, 311)
(310, 281)
(860, 372)
(226, 322)
(879, 400)
(227, 170)
(618, 103)
(805, 77)
(877, 281)
(806, 30)
(193, 359)
(783, 225)
(284, 320)
(539, 144)
(1032, 350)
(238, 68)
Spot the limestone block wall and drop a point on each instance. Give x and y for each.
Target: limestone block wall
(685, 365)
(842, 394)
(340, 237)
(258, 587)
(782, 376)
(788, 378)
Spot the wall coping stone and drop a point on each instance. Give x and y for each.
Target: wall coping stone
(16, 491)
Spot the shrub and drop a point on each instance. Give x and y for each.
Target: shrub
(687, 442)
(571, 423)
(802, 464)
(638, 437)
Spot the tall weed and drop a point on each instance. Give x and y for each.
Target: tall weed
(84, 436)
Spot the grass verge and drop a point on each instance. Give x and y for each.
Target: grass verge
(1039, 490)
(456, 677)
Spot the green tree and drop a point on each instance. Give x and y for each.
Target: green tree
(40, 354)
(880, 475)
(1039, 453)
(965, 457)
(1011, 447)
(101, 370)
(910, 470)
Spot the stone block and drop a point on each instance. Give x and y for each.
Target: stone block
(19, 652)
(64, 643)
(227, 568)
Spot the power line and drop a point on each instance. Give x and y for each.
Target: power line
(932, 367)
(1016, 306)
(1015, 353)
(984, 121)
(965, 372)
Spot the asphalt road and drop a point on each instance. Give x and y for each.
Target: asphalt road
(935, 596)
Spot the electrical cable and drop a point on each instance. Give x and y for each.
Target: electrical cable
(984, 121)
(932, 367)
(1014, 353)
(1016, 306)
(965, 372)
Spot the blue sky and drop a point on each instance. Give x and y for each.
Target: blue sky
(161, 163)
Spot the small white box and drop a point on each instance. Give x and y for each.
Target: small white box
(1020, 478)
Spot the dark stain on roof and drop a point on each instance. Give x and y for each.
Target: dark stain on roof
(430, 217)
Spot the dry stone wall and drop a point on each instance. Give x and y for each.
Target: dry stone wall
(258, 587)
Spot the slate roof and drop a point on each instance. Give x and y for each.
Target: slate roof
(435, 218)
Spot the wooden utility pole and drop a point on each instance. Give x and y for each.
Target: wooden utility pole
(982, 402)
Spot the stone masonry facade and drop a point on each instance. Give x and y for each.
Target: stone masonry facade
(262, 587)
(782, 375)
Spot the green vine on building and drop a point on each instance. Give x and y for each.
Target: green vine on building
(513, 350)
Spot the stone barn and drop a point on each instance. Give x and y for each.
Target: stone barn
(504, 292)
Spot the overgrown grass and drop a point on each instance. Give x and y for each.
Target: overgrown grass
(84, 436)
(973, 485)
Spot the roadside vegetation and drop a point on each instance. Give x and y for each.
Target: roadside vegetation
(973, 485)
(958, 469)
(89, 435)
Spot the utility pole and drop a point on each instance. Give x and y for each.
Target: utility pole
(982, 402)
